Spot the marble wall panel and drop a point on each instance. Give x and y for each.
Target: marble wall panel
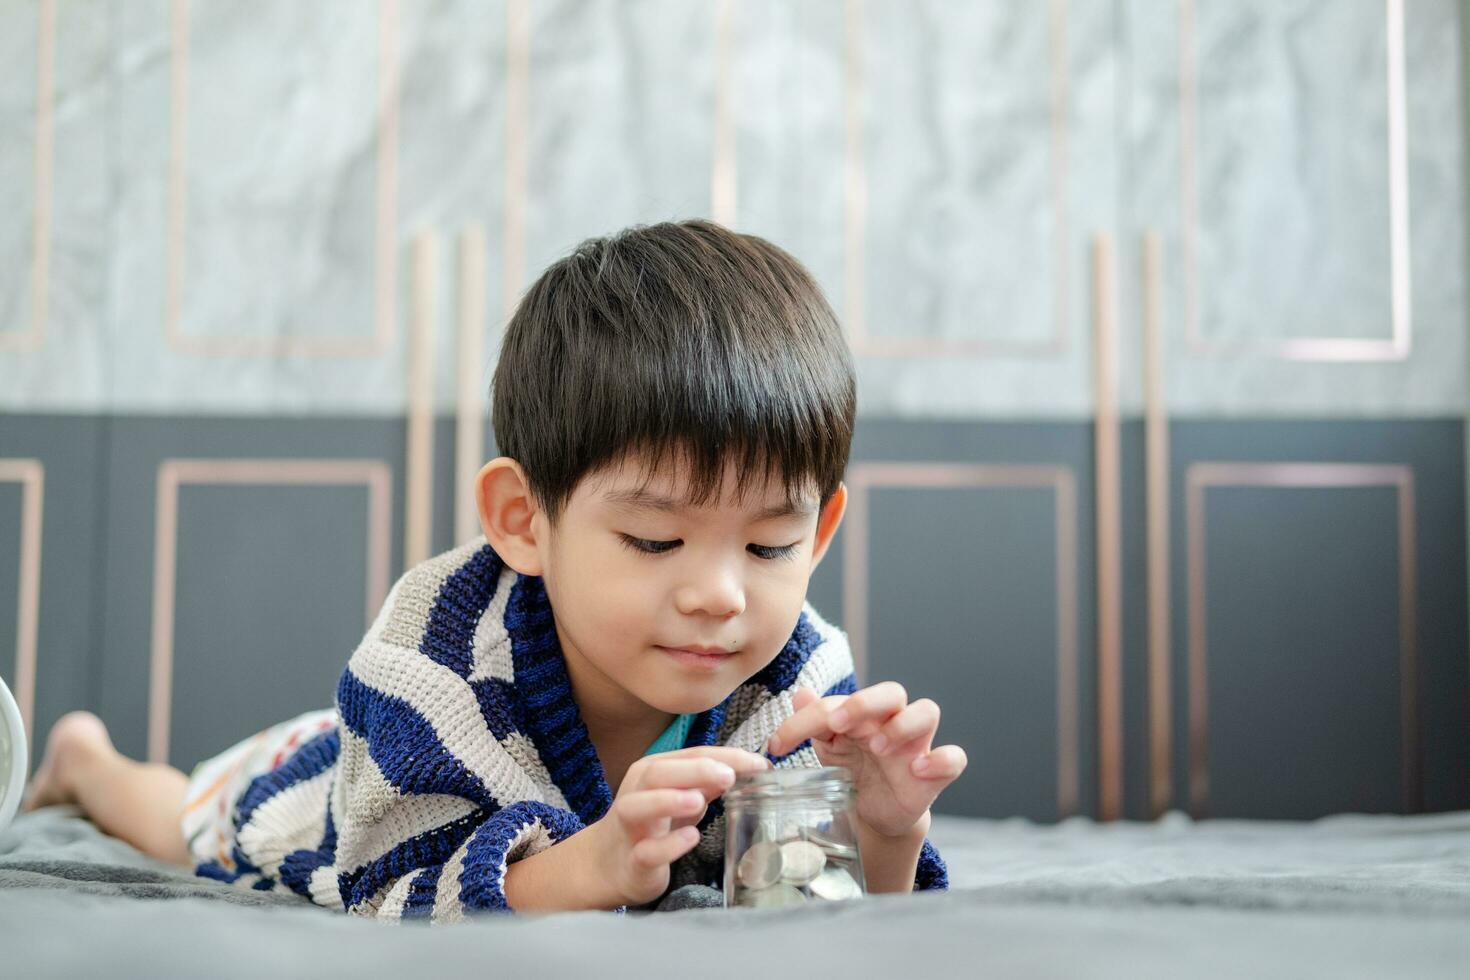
(55, 246)
(1269, 178)
(990, 165)
(258, 180)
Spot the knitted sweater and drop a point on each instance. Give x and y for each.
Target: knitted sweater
(458, 748)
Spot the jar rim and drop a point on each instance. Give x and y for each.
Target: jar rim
(794, 780)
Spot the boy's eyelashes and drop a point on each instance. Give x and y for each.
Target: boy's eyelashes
(646, 547)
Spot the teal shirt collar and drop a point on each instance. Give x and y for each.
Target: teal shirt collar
(673, 736)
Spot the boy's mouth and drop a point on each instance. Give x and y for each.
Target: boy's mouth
(698, 656)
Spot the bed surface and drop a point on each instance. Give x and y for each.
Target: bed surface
(1350, 895)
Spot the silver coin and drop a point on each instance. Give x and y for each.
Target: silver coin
(777, 896)
(776, 831)
(835, 885)
(760, 866)
(832, 846)
(801, 862)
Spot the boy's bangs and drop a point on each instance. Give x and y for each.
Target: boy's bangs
(687, 348)
(699, 470)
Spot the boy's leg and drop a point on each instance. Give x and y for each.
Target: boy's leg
(139, 802)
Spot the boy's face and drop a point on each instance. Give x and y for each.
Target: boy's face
(631, 575)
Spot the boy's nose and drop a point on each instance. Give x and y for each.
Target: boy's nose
(718, 594)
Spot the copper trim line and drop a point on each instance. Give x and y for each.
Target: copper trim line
(863, 477)
(419, 492)
(1156, 477)
(1109, 535)
(517, 81)
(470, 425)
(723, 180)
(854, 177)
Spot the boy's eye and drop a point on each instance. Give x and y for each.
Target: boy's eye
(647, 547)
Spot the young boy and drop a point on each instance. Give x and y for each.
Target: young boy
(546, 718)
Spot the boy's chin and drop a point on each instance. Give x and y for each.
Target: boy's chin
(688, 702)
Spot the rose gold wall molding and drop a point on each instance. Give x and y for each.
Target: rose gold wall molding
(1156, 477)
(855, 210)
(419, 495)
(517, 79)
(33, 338)
(1109, 535)
(174, 473)
(723, 183)
(1395, 347)
(31, 475)
(863, 477)
(1203, 476)
(854, 178)
(470, 426)
(385, 270)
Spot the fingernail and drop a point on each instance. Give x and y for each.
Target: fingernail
(921, 763)
(838, 719)
(878, 744)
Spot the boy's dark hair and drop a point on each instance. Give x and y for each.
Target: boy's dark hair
(679, 341)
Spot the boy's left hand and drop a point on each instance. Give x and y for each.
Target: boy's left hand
(885, 741)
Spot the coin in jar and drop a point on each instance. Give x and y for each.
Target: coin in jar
(760, 866)
(831, 845)
(801, 862)
(777, 896)
(835, 885)
(775, 831)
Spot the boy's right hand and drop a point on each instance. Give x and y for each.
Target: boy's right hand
(651, 822)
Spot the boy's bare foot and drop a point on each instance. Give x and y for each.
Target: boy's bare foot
(74, 736)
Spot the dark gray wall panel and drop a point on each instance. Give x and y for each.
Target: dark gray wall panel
(963, 609)
(72, 449)
(1303, 651)
(97, 577)
(139, 445)
(1008, 644)
(270, 603)
(1434, 450)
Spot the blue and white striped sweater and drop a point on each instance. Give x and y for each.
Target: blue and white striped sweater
(459, 748)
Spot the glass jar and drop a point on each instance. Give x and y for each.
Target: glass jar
(791, 838)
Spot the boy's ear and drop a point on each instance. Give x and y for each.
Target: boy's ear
(507, 507)
(828, 521)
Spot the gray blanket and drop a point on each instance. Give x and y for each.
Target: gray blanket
(1351, 895)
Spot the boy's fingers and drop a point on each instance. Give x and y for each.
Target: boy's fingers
(918, 720)
(803, 696)
(869, 708)
(691, 820)
(710, 775)
(945, 762)
(855, 715)
(653, 852)
(809, 721)
(738, 759)
(645, 810)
